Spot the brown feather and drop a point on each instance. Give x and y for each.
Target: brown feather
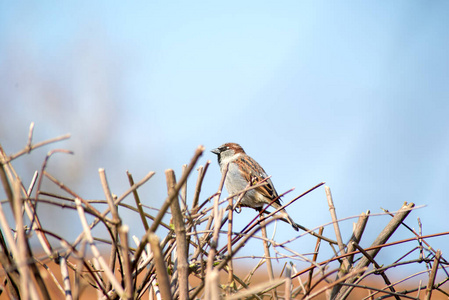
(250, 166)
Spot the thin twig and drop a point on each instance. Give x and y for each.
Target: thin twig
(315, 256)
(65, 278)
(201, 173)
(127, 272)
(199, 151)
(266, 248)
(28, 149)
(115, 218)
(432, 275)
(25, 279)
(181, 240)
(138, 204)
(257, 289)
(380, 240)
(116, 202)
(229, 245)
(161, 268)
(288, 283)
(330, 202)
(344, 278)
(376, 265)
(96, 253)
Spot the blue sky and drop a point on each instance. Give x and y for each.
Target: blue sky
(351, 93)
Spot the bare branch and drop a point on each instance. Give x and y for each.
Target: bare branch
(433, 274)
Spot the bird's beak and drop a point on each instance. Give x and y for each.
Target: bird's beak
(215, 151)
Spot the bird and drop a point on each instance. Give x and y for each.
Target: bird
(244, 171)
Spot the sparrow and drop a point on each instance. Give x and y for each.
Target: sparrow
(244, 171)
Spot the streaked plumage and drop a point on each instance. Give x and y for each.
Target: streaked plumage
(242, 169)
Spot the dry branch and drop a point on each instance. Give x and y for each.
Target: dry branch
(380, 240)
(161, 268)
(181, 240)
(433, 274)
(187, 252)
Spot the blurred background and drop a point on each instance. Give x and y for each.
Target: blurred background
(351, 93)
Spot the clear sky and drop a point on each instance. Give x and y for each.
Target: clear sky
(354, 93)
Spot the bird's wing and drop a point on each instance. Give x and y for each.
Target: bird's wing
(254, 173)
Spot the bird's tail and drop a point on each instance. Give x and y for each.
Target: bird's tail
(296, 226)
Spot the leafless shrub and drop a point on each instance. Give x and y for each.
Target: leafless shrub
(187, 262)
